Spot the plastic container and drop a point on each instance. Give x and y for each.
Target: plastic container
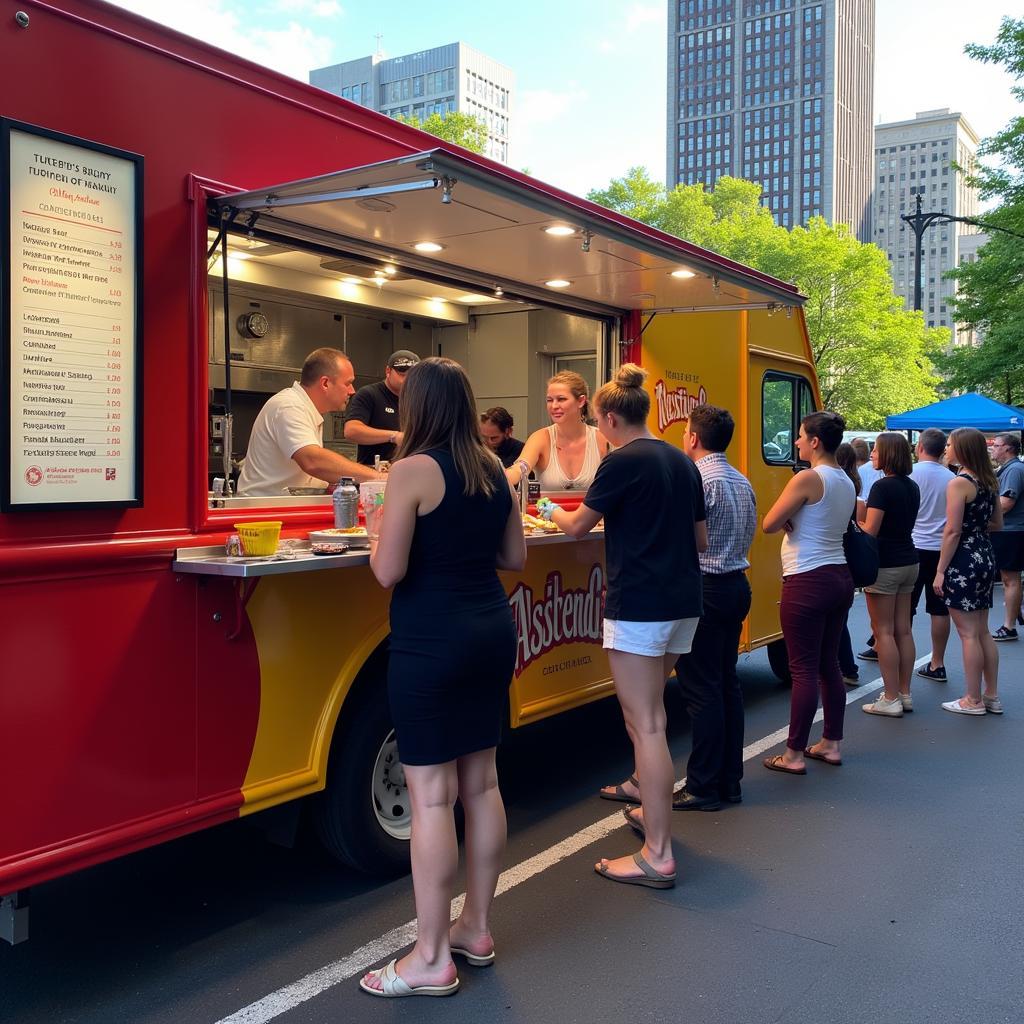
(346, 504)
(371, 497)
(259, 538)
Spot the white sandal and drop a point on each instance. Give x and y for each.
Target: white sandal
(394, 987)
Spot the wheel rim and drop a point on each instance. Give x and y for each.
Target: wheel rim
(390, 793)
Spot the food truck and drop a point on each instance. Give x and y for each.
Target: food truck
(181, 227)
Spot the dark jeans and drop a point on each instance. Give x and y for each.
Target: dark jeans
(711, 688)
(813, 609)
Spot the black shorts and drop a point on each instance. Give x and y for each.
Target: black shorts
(928, 564)
(1009, 548)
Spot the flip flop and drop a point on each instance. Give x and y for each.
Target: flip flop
(395, 988)
(474, 959)
(777, 764)
(650, 878)
(636, 826)
(835, 762)
(620, 794)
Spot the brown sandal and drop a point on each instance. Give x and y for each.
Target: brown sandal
(778, 764)
(815, 756)
(620, 794)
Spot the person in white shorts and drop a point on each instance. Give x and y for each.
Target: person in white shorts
(653, 601)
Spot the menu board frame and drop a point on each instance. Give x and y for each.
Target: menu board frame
(130, 492)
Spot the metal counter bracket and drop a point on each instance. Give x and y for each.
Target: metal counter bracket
(243, 589)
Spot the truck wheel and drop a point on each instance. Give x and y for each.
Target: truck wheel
(362, 817)
(778, 658)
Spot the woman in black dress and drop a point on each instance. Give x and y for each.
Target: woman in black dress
(967, 567)
(449, 523)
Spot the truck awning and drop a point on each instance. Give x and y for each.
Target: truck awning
(493, 228)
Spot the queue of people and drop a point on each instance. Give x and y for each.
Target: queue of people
(676, 599)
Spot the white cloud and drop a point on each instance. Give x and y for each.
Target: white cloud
(292, 50)
(542, 106)
(640, 15)
(317, 8)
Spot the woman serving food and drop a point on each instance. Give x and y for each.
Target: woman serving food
(564, 456)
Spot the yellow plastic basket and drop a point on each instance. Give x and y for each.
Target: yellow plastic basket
(258, 538)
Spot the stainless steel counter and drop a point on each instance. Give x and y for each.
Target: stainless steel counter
(211, 561)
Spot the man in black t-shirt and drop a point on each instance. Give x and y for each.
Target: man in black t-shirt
(372, 418)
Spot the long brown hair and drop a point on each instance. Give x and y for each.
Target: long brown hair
(846, 460)
(438, 410)
(971, 450)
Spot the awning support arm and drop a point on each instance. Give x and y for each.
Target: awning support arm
(274, 202)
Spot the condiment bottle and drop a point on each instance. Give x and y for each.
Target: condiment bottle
(346, 504)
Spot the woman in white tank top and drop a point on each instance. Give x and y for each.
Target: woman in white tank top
(564, 456)
(813, 512)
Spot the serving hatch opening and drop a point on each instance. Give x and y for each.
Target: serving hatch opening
(443, 215)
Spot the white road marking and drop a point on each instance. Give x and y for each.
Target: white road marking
(387, 945)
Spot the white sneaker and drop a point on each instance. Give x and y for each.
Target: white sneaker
(890, 708)
(993, 705)
(907, 701)
(959, 709)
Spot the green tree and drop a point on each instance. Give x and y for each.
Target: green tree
(991, 290)
(873, 358)
(464, 130)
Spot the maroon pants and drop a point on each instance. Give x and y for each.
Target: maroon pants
(813, 610)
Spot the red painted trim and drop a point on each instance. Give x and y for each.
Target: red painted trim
(38, 866)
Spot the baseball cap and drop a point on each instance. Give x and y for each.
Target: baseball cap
(403, 359)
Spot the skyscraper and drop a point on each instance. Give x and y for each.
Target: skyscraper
(779, 92)
(920, 157)
(441, 80)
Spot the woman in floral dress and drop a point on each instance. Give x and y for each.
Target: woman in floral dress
(967, 567)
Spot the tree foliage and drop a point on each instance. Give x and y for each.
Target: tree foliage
(464, 130)
(991, 290)
(873, 358)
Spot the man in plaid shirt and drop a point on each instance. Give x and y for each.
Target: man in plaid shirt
(707, 675)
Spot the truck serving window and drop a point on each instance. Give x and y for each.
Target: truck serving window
(785, 399)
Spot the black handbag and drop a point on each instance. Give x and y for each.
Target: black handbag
(861, 550)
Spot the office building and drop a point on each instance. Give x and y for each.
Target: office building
(438, 81)
(922, 157)
(779, 92)
(967, 252)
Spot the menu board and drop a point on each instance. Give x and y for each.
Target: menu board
(72, 353)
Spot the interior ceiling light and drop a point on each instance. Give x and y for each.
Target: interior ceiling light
(437, 298)
(428, 247)
(682, 273)
(558, 283)
(560, 230)
(498, 292)
(474, 298)
(352, 280)
(390, 269)
(237, 254)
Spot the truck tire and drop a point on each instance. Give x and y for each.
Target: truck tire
(362, 817)
(778, 658)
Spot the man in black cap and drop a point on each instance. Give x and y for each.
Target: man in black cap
(372, 416)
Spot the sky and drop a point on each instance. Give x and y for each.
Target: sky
(590, 99)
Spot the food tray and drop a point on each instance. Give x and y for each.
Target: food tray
(351, 539)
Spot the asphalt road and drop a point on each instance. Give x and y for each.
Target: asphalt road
(887, 890)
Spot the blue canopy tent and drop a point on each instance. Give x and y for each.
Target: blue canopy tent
(971, 410)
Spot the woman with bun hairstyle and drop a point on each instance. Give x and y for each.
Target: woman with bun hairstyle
(812, 513)
(564, 456)
(452, 652)
(653, 600)
(967, 567)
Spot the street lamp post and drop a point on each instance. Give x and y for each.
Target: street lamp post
(919, 222)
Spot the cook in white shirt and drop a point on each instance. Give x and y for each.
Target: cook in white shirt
(286, 445)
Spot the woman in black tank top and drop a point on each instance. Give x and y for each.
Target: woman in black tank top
(450, 522)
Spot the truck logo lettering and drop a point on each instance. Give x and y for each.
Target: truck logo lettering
(561, 617)
(676, 405)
